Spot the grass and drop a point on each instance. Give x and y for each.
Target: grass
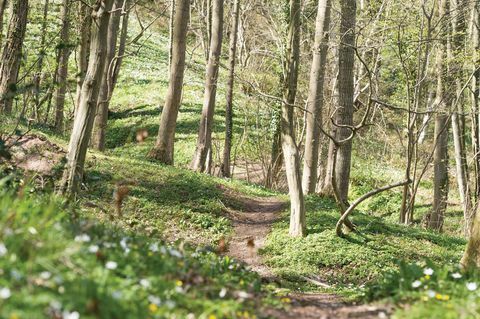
(55, 261)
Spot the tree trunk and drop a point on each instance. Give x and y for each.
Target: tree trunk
(84, 30)
(225, 169)
(456, 56)
(344, 113)
(164, 146)
(204, 140)
(122, 42)
(12, 54)
(85, 115)
(440, 161)
(289, 147)
(3, 6)
(63, 55)
(106, 89)
(475, 96)
(38, 75)
(315, 97)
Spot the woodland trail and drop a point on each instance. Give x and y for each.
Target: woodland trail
(252, 225)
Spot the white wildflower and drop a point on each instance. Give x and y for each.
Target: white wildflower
(416, 284)
(456, 275)
(175, 253)
(155, 300)
(145, 283)
(111, 265)
(222, 293)
(472, 286)
(93, 249)
(243, 294)
(84, 238)
(3, 250)
(45, 275)
(431, 293)
(428, 271)
(5, 293)
(71, 315)
(154, 247)
(32, 230)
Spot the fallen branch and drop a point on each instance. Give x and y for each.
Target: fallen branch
(350, 209)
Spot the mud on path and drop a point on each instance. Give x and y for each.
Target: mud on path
(251, 225)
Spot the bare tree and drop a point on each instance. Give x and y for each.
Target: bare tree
(444, 98)
(12, 54)
(84, 18)
(204, 139)
(85, 114)
(344, 112)
(164, 146)
(106, 89)
(225, 169)
(315, 97)
(289, 146)
(62, 73)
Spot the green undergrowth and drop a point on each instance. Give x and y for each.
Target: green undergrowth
(56, 262)
(350, 264)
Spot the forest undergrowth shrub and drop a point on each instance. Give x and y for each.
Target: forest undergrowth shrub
(54, 264)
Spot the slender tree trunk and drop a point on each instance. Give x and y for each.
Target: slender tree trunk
(170, 30)
(12, 54)
(289, 146)
(471, 256)
(38, 75)
(85, 115)
(315, 98)
(106, 89)
(84, 30)
(456, 56)
(164, 146)
(122, 42)
(204, 140)
(344, 113)
(62, 74)
(3, 6)
(475, 96)
(443, 98)
(225, 169)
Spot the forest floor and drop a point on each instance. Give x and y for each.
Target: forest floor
(252, 224)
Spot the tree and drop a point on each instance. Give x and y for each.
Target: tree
(85, 114)
(344, 112)
(315, 97)
(62, 72)
(106, 87)
(84, 18)
(289, 146)
(3, 6)
(204, 139)
(12, 54)
(443, 100)
(225, 169)
(164, 146)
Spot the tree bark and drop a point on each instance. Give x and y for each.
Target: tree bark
(3, 6)
(440, 161)
(289, 146)
(106, 89)
(63, 55)
(225, 169)
(471, 256)
(164, 146)
(315, 97)
(38, 75)
(475, 96)
(344, 112)
(204, 140)
(12, 54)
(85, 115)
(85, 21)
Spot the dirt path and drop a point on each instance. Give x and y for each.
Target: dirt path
(252, 225)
